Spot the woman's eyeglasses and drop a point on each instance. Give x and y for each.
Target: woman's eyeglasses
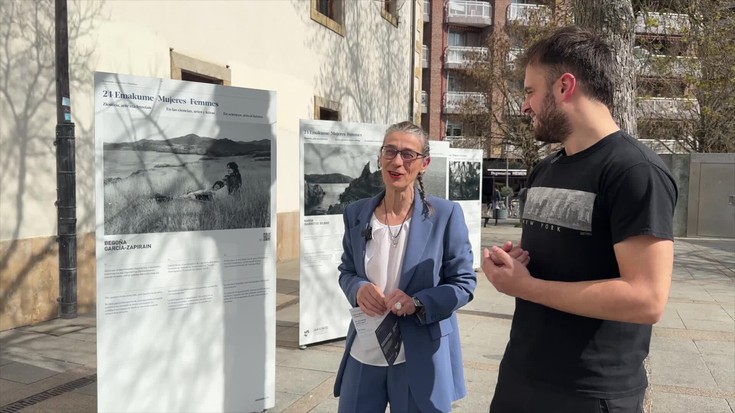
(389, 153)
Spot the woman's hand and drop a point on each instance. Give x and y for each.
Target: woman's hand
(371, 300)
(407, 306)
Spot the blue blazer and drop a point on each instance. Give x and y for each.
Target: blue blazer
(437, 269)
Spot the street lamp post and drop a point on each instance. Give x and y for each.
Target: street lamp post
(66, 202)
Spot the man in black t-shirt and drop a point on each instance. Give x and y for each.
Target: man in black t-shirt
(594, 271)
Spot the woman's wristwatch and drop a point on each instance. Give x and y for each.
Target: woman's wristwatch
(419, 308)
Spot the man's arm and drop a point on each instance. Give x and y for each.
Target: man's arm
(638, 296)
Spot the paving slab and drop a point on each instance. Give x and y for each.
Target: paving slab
(49, 346)
(721, 368)
(671, 368)
(670, 319)
(283, 400)
(299, 380)
(67, 402)
(680, 403)
(313, 358)
(25, 373)
(90, 389)
(704, 316)
(684, 346)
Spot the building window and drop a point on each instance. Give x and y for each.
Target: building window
(329, 13)
(457, 38)
(389, 11)
(458, 82)
(454, 130)
(326, 109)
(194, 70)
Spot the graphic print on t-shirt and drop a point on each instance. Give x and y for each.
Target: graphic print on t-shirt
(566, 208)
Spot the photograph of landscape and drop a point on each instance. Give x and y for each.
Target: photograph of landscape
(165, 182)
(336, 175)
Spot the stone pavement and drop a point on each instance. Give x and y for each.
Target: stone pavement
(51, 367)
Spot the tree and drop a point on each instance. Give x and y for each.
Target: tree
(614, 21)
(689, 72)
(492, 119)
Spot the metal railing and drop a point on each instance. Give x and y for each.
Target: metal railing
(469, 9)
(661, 23)
(667, 66)
(462, 55)
(425, 56)
(454, 102)
(663, 145)
(527, 14)
(667, 108)
(513, 54)
(424, 102)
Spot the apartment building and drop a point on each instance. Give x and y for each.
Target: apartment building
(457, 30)
(354, 61)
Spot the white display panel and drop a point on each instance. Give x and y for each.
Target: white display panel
(186, 270)
(465, 188)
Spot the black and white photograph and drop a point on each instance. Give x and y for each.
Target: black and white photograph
(174, 177)
(464, 180)
(337, 174)
(566, 208)
(435, 177)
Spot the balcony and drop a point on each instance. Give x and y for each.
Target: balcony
(667, 66)
(663, 146)
(667, 108)
(468, 142)
(425, 57)
(424, 102)
(528, 14)
(427, 11)
(469, 13)
(513, 54)
(661, 23)
(453, 139)
(514, 104)
(458, 57)
(458, 102)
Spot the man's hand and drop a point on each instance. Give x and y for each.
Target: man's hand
(505, 273)
(371, 300)
(516, 252)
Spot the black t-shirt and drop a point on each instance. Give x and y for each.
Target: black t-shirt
(577, 207)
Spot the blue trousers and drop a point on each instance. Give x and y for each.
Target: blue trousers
(369, 389)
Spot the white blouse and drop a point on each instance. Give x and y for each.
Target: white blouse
(383, 266)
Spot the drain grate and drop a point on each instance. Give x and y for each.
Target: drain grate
(47, 394)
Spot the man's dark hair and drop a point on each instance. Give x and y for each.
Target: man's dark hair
(579, 52)
(220, 183)
(233, 166)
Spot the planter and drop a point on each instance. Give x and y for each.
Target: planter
(501, 213)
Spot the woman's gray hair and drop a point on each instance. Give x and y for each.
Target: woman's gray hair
(413, 129)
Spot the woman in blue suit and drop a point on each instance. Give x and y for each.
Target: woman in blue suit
(407, 257)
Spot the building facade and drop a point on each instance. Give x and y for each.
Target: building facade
(355, 61)
(457, 31)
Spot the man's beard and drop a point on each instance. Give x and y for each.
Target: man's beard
(553, 125)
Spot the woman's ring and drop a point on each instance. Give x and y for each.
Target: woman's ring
(398, 306)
